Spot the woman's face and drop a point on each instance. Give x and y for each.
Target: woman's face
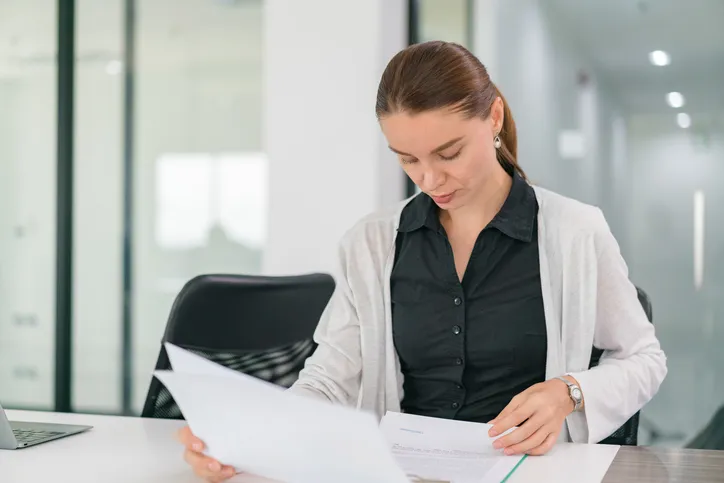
(446, 155)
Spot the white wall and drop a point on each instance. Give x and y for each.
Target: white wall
(27, 238)
(97, 210)
(536, 64)
(668, 165)
(98, 239)
(329, 165)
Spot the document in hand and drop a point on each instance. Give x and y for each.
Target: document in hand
(443, 451)
(261, 429)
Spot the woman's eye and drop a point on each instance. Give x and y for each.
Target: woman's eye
(452, 156)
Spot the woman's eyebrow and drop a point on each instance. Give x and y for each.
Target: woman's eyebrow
(441, 147)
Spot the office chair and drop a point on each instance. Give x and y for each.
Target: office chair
(626, 435)
(712, 436)
(261, 326)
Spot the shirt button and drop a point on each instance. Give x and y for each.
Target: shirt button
(458, 386)
(459, 361)
(455, 405)
(458, 301)
(457, 329)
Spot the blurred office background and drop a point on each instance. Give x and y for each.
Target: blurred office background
(239, 136)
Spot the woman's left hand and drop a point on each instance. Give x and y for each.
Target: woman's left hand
(540, 412)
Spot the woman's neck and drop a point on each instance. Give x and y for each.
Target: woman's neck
(476, 214)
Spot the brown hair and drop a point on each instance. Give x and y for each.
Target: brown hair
(437, 75)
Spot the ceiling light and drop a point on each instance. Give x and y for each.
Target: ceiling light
(683, 120)
(675, 99)
(114, 67)
(659, 57)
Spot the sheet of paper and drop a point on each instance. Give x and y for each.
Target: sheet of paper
(568, 463)
(441, 450)
(263, 430)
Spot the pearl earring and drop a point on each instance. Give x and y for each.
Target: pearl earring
(497, 142)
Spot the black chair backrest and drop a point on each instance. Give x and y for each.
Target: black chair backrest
(262, 326)
(712, 435)
(626, 435)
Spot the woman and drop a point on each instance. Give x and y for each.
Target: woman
(482, 297)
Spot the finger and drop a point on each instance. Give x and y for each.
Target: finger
(533, 441)
(522, 433)
(512, 406)
(226, 473)
(544, 447)
(208, 468)
(515, 418)
(198, 461)
(183, 434)
(187, 438)
(202, 465)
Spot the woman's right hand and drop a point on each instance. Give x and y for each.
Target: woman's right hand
(205, 467)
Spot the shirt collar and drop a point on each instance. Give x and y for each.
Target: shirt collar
(516, 218)
(420, 211)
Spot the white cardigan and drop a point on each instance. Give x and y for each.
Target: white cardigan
(587, 297)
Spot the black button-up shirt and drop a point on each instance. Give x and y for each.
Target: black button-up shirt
(467, 348)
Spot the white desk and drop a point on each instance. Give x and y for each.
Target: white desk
(116, 450)
(134, 450)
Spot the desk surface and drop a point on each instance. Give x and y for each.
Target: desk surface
(116, 450)
(653, 465)
(134, 450)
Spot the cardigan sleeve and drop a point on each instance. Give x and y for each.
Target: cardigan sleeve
(333, 371)
(633, 365)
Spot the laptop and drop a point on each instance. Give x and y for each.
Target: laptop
(18, 435)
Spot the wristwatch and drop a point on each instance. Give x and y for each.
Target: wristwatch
(574, 391)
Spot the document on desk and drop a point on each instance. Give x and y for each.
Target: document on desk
(444, 451)
(264, 430)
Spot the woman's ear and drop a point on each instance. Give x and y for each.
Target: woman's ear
(497, 115)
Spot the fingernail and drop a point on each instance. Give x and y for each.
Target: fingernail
(508, 451)
(229, 472)
(497, 445)
(492, 433)
(197, 447)
(214, 466)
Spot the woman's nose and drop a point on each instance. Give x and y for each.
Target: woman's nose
(432, 179)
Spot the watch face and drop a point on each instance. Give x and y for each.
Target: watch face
(576, 393)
